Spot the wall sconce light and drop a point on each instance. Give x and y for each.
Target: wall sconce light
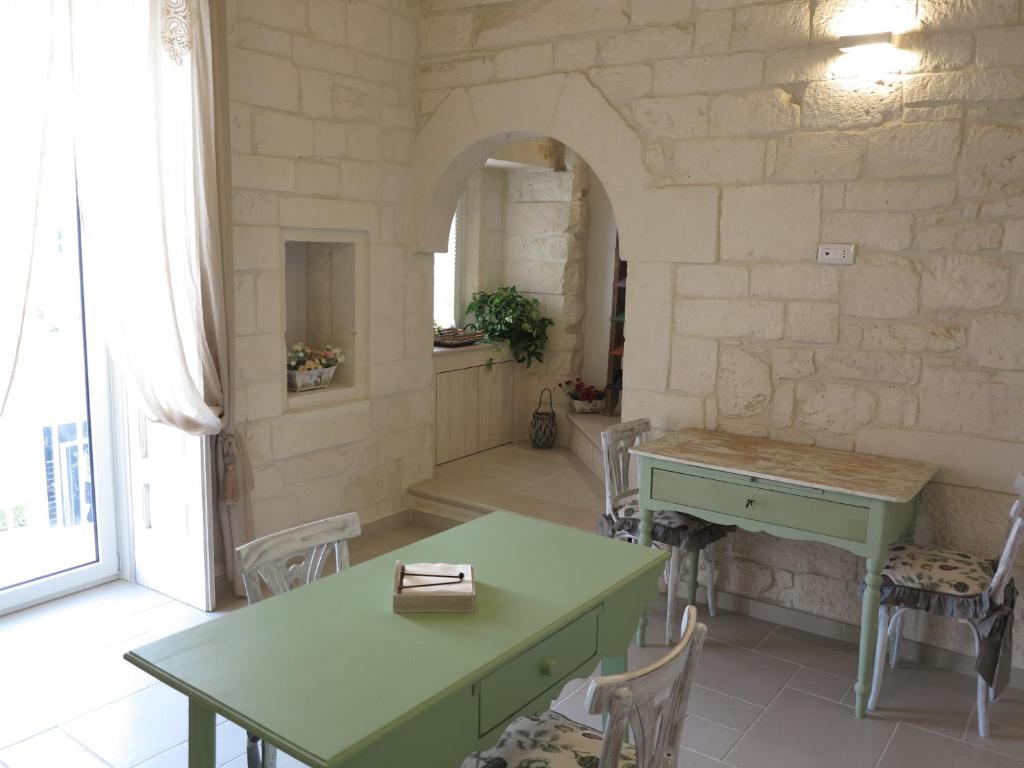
(849, 43)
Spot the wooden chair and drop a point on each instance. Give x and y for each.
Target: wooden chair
(283, 561)
(680, 532)
(951, 584)
(651, 702)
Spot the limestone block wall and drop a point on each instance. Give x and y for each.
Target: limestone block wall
(741, 130)
(544, 255)
(323, 116)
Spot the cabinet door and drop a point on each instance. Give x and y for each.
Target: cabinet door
(456, 399)
(495, 405)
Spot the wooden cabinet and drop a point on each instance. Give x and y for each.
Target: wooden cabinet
(474, 409)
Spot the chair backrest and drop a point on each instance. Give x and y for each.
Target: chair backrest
(1014, 542)
(615, 444)
(296, 556)
(652, 701)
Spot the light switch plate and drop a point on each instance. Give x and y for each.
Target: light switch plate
(836, 253)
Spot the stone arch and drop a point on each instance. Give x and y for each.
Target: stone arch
(655, 224)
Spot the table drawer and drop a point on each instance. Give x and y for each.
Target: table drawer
(747, 501)
(527, 676)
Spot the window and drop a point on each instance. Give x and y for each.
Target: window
(446, 279)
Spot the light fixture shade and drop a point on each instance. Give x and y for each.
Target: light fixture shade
(849, 42)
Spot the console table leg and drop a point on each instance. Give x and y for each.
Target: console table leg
(868, 629)
(694, 568)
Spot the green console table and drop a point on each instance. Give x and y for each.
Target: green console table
(330, 675)
(856, 501)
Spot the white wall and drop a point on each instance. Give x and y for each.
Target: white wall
(323, 101)
(600, 270)
(733, 137)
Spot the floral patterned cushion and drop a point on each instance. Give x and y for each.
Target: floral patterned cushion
(673, 529)
(548, 741)
(936, 570)
(665, 517)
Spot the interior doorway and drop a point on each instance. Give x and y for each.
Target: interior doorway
(532, 216)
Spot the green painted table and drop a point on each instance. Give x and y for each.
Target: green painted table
(330, 675)
(856, 501)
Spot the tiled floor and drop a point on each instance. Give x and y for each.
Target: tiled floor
(765, 696)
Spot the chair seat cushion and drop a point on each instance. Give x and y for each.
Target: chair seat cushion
(937, 570)
(548, 741)
(936, 581)
(675, 529)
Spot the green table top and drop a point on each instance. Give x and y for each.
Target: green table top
(327, 668)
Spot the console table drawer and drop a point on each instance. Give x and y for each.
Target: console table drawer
(527, 676)
(747, 501)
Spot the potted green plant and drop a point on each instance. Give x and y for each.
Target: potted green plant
(506, 315)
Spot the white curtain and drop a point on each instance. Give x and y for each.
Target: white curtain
(144, 234)
(141, 130)
(34, 60)
(150, 185)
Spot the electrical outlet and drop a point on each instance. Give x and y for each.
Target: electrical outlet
(836, 253)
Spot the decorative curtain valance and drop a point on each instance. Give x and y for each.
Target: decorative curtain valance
(176, 28)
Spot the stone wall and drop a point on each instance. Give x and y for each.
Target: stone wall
(527, 227)
(323, 116)
(544, 255)
(743, 131)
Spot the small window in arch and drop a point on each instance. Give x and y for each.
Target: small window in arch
(446, 278)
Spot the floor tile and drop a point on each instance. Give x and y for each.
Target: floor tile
(722, 709)
(708, 738)
(1003, 737)
(231, 741)
(572, 487)
(687, 758)
(821, 683)
(912, 746)
(575, 708)
(830, 643)
(176, 757)
(798, 729)
(735, 628)
(933, 699)
(1009, 709)
(134, 728)
(51, 748)
(741, 673)
(283, 761)
(810, 655)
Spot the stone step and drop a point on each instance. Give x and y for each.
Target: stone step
(585, 438)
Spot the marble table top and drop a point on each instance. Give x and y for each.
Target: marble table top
(858, 474)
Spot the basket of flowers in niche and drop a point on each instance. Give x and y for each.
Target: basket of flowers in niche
(584, 398)
(312, 368)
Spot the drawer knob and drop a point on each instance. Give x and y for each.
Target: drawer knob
(547, 667)
(750, 503)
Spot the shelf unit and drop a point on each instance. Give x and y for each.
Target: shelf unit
(616, 337)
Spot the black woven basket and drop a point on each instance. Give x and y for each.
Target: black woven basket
(543, 427)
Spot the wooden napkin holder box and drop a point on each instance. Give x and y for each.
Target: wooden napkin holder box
(429, 600)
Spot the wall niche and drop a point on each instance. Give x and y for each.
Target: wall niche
(325, 305)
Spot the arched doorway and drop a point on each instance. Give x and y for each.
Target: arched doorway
(661, 225)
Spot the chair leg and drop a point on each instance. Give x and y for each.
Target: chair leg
(269, 756)
(983, 693)
(692, 569)
(252, 751)
(882, 640)
(897, 640)
(709, 576)
(673, 586)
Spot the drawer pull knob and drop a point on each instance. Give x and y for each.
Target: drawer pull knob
(750, 503)
(547, 667)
